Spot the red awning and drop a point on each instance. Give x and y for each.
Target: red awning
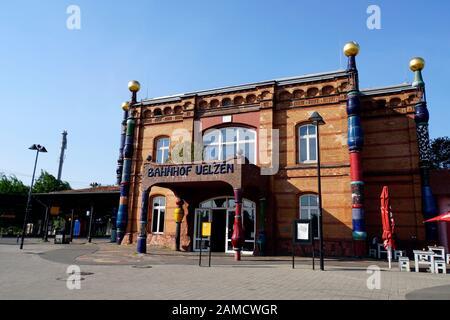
(442, 217)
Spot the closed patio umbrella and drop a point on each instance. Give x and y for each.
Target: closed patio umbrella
(388, 223)
(442, 218)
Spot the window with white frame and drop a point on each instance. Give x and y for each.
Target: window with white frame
(162, 150)
(309, 209)
(307, 144)
(225, 143)
(158, 213)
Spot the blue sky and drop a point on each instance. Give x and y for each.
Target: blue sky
(52, 78)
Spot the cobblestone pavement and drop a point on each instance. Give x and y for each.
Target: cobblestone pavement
(116, 272)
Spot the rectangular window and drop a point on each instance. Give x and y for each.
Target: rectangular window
(158, 215)
(307, 144)
(309, 209)
(162, 150)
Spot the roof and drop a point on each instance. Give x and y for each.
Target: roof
(97, 190)
(280, 81)
(387, 89)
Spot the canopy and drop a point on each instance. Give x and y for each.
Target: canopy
(442, 217)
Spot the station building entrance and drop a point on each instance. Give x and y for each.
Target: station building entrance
(220, 212)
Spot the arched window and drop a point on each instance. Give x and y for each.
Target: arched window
(224, 143)
(309, 209)
(158, 213)
(162, 150)
(307, 144)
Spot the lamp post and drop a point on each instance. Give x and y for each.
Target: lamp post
(317, 120)
(38, 149)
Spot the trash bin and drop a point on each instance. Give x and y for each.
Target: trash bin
(59, 237)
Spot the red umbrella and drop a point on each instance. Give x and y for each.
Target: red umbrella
(387, 219)
(442, 217)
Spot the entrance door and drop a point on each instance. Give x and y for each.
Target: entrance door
(201, 215)
(221, 212)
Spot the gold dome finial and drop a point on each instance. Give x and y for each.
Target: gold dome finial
(417, 64)
(125, 106)
(351, 49)
(134, 86)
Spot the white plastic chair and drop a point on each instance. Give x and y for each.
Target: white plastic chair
(439, 265)
(403, 264)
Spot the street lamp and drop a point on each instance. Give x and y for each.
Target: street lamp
(317, 120)
(38, 149)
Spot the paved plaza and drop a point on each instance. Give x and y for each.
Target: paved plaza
(109, 271)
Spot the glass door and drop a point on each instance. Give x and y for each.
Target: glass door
(201, 215)
(248, 228)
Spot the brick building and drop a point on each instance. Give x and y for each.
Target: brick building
(199, 153)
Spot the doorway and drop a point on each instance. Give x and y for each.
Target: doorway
(217, 230)
(220, 211)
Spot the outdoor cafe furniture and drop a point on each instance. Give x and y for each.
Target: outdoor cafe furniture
(423, 257)
(448, 258)
(398, 254)
(439, 265)
(373, 253)
(403, 264)
(439, 252)
(381, 250)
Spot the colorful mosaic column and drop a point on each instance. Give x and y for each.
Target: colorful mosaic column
(125, 108)
(237, 239)
(421, 118)
(142, 237)
(355, 145)
(178, 216)
(122, 214)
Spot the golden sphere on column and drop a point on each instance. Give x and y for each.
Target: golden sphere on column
(125, 106)
(351, 49)
(417, 64)
(134, 86)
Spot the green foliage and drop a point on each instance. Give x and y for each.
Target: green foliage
(59, 223)
(12, 185)
(440, 152)
(48, 183)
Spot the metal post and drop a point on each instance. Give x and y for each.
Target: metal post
(46, 224)
(90, 223)
(210, 242)
(71, 226)
(200, 257)
(313, 255)
(320, 200)
(27, 210)
(293, 252)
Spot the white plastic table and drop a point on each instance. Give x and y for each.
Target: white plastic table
(439, 252)
(419, 254)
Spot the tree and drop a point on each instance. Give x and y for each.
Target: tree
(48, 183)
(12, 185)
(440, 152)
